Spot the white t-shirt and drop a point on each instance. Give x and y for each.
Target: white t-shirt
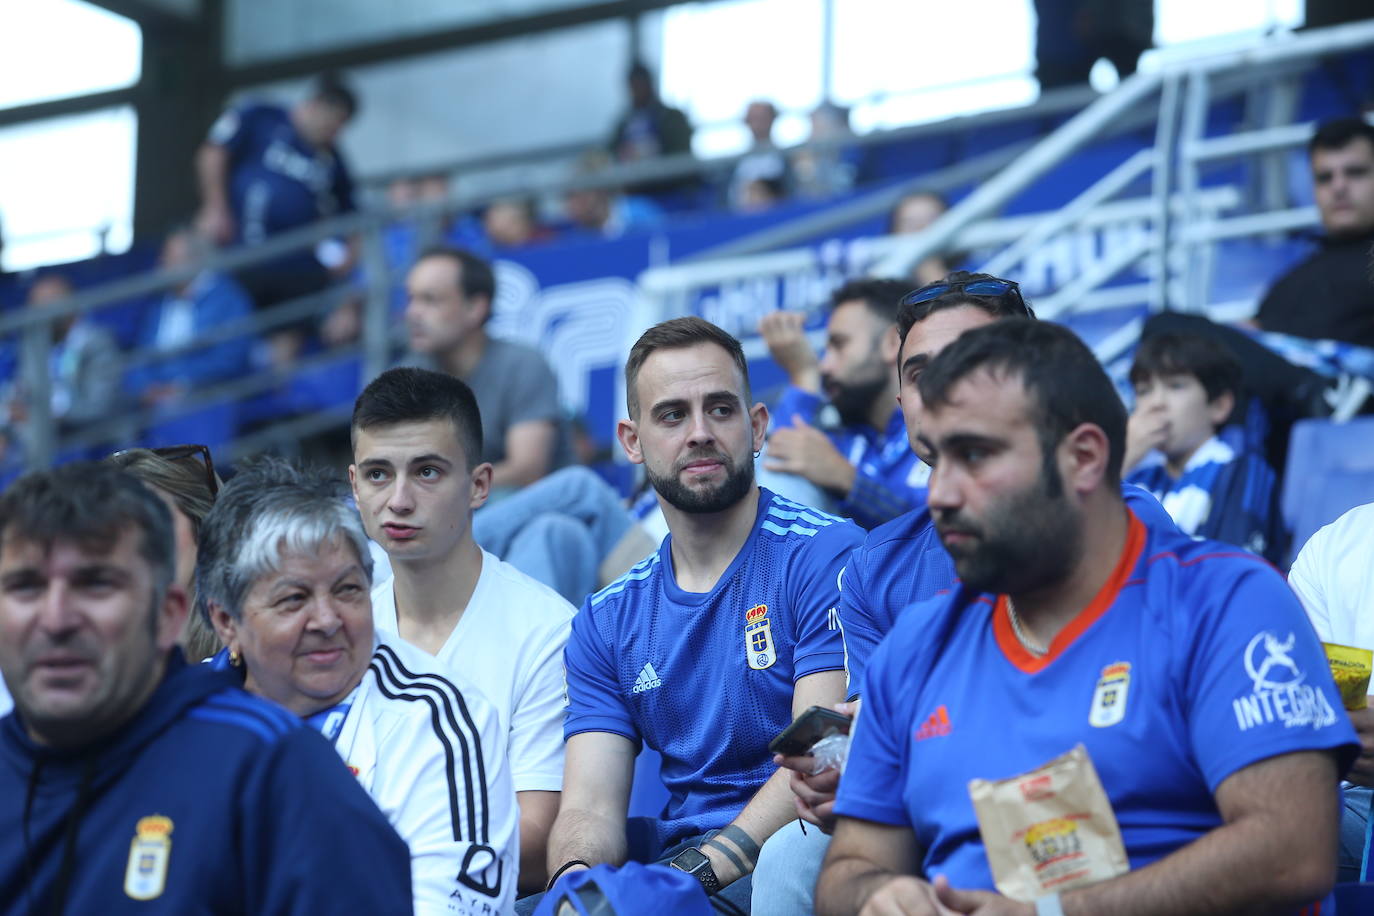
(1334, 578)
(429, 748)
(6, 702)
(509, 642)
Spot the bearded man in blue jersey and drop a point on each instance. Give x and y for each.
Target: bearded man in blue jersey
(709, 647)
(1219, 745)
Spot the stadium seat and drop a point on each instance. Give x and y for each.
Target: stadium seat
(1330, 470)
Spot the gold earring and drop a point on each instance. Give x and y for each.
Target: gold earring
(234, 660)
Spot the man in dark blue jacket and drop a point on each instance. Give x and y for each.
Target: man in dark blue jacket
(130, 781)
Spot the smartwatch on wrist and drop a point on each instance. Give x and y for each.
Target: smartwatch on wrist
(695, 863)
(1049, 905)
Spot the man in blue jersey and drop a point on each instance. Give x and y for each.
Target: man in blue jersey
(264, 170)
(708, 648)
(131, 781)
(1186, 668)
(860, 461)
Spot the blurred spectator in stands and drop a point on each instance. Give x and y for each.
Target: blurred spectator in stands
(764, 161)
(1186, 389)
(206, 301)
(510, 223)
(761, 194)
(606, 211)
(82, 367)
(824, 171)
(862, 463)
(264, 170)
(649, 129)
(451, 292)
(913, 214)
(1330, 296)
(1072, 35)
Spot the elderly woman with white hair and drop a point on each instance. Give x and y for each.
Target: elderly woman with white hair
(284, 575)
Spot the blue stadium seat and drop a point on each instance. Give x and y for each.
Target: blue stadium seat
(1330, 470)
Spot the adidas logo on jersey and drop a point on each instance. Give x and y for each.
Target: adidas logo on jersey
(937, 726)
(648, 679)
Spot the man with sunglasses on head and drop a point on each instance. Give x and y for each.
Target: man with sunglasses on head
(859, 461)
(899, 563)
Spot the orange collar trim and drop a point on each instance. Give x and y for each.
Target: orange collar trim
(1030, 663)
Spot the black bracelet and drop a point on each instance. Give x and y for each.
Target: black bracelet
(562, 868)
(725, 851)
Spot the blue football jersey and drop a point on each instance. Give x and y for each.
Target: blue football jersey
(1194, 661)
(903, 562)
(277, 180)
(706, 679)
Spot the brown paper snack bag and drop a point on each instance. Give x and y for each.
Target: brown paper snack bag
(1050, 829)
(1350, 668)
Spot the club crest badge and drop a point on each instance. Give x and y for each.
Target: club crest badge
(146, 875)
(1109, 699)
(758, 638)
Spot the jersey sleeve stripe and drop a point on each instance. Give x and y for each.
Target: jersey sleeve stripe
(790, 529)
(206, 713)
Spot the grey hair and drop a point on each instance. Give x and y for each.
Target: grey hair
(269, 508)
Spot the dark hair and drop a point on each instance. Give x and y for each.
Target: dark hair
(678, 334)
(474, 274)
(270, 507)
(1207, 360)
(90, 503)
(1340, 133)
(1001, 305)
(409, 395)
(881, 296)
(1061, 375)
(331, 89)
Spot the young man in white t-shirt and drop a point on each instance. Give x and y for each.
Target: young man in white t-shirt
(416, 435)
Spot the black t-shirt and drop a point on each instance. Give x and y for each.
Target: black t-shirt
(1330, 296)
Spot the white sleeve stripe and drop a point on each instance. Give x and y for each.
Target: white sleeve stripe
(444, 698)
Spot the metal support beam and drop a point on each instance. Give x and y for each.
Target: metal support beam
(430, 42)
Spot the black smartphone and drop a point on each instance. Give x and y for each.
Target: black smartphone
(811, 726)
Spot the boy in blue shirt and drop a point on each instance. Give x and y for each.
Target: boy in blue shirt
(1186, 389)
(708, 648)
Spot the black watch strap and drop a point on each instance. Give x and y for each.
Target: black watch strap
(695, 863)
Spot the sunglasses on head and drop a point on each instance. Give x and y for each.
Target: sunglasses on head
(985, 287)
(181, 452)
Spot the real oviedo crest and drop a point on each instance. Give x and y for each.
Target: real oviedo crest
(758, 638)
(149, 852)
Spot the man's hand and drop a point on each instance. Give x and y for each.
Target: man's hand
(1362, 772)
(815, 793)
(1145, 431)
(803, 450)
(904, 896)
(981, 903)
(216, 222)
(790, 349)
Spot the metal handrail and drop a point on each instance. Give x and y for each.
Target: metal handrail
(1079, 130)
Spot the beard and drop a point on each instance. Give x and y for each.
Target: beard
(1027, 541)
(854, 399)
(700, 501)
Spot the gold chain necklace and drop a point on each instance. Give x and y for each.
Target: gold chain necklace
(1032, 647)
